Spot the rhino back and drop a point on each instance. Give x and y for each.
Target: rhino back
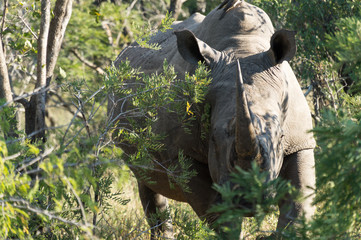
(151, 61)
(247, 28)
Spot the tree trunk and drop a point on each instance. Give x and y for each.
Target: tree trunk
(5, 89)
(175, 7)
(6, 93)
(62, 13)
(37, 102)
(49, 44)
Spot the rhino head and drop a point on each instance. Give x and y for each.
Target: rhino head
(248, 98)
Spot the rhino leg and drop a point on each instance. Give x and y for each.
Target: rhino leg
(155, 207)
(299, 168)
(200, 194)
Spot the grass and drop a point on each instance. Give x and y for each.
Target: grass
(128, 221)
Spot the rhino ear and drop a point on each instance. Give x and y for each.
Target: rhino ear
(283, 45)
(194, 50)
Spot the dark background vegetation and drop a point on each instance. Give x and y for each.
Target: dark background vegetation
(60, 176)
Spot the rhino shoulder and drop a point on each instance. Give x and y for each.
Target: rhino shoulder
(298, 123)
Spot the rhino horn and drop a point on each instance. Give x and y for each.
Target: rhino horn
(247, 145)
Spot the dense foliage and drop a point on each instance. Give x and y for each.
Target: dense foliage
(72, 185)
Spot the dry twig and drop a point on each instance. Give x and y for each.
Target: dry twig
(87, 62)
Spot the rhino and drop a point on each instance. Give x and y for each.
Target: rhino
(258, 110)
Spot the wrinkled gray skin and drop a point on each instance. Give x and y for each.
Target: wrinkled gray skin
(264, 117)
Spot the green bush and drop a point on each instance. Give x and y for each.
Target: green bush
(249, 193)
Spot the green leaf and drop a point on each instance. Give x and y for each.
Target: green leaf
(33, 150)
(62, 72)
(94, 12)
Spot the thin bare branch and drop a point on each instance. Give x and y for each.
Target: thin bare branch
(147, 230)
(72, 165)
(12, 157)
(24, 204)
(111, 161)
(78, 199)
(131, 6)
(19, 98)
(333, 100)
(29, 28)
(87, 62)
(34, 133)
(63, 103)
(82, 112)
(309, 89)
(107, 30)
(35, 160)
(125, 23)
(76, 115)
